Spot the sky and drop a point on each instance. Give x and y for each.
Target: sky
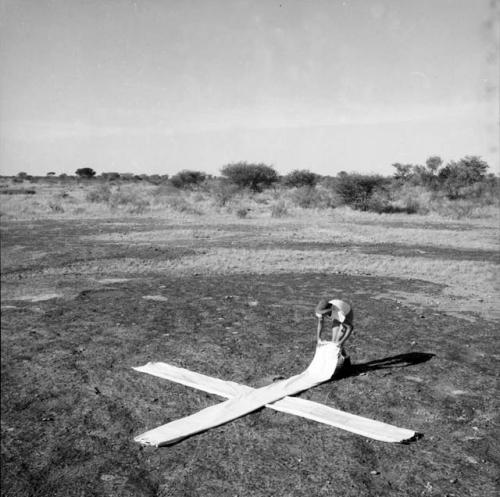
(157, 86)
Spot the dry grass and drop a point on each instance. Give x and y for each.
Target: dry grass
(468, 285)
(274, 236)
(322, 245)
(92, 199)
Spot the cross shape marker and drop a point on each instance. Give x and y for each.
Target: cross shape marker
(243, 399)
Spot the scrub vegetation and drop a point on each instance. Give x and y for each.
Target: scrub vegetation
(461, 189)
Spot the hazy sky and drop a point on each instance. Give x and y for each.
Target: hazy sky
(156, 86)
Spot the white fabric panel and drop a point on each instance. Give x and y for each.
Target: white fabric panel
(321, 369)
(291, 405)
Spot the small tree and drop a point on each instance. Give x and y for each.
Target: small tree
(356, 190)
(253, 176)
(416, 174)
(187, 179)
(403, 171)
(455, 176)
(299, 178)
(433, 163)
(422, 175)
(85, 172)
(222, 190)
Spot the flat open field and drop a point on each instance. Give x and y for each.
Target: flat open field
(85, 300)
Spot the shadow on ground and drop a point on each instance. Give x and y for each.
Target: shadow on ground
(397, 361)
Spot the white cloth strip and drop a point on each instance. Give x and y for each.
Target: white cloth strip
(321, 369)
(308, 409)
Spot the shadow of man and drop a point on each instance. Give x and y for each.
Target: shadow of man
(397, 361)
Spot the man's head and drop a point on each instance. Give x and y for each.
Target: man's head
(335, 309)
(334, 316)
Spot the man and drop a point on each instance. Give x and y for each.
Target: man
(340, 314)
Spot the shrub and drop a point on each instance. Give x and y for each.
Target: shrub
(455, 209)
(110, 176)
(457, 175)
(242, 212)
(154, 179)
(408, 199)
(422, 176)
(256, 177)
(378, 201)
(222, 191)
(85, 172)
(180, 204)
(164, 190)
(413, 206)
(24, 176)
(129, 199)
(403, 171)
(304, 197)
(127, 177)
(356, 189)
(316, 197)
(299, 178)
(187, 179)
(279, 209)
(100, 194)
(142, 177)
(416, 174)
(413, 199)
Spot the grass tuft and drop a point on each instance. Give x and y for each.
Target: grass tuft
(279, 209)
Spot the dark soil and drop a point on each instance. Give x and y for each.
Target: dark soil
(17, 191)
(394, 249)
(420, 225)
(71, 404)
